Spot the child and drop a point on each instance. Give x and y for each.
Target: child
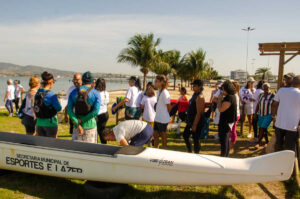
(182, 104)
(162, 108)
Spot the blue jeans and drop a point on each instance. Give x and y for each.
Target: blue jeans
(143, 137)
(9, 106)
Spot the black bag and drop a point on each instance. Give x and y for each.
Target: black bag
(40, 109)
(81, 106)
(174, 110)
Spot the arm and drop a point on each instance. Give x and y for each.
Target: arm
(55, 103)
(6, 95)
(222, 106)
(169, 107)
(274, 108)
(96, 107)
(123, 142)
(121, 103)
(70, 110)
(200, 104)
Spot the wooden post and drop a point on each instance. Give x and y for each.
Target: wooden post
(117, 114)
(281, 69)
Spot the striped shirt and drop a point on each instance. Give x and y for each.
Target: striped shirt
(265, 104)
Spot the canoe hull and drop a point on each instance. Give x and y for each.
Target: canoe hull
(150, 166)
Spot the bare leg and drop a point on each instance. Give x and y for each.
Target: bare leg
(164, 140)
(156, 139)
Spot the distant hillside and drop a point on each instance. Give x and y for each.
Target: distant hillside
(8, 69)
(13, 70)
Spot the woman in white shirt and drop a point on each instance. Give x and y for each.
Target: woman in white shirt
(103, 116)
(19, 90)
(163, 107)
(9, 97)
(28, 117)
(246, 94)
(131, 100)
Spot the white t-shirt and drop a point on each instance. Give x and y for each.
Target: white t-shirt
(149, 112)
(18, 90)
(237, 105)
(28, 109)
(162, 113)
(128, 129)
(104, 96)
(246, 94)
(256, 98)
(288, 113)
(11, 92)
(217, 112)
(132, 94)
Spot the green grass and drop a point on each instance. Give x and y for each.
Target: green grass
(21, 185)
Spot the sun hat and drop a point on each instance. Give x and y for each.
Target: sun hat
(251, 79)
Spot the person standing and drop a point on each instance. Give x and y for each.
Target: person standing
(255, 99)
(9, 97)
(102, 116)
(194, 116)
(264, 113)
(131, 100)
(85, 101)
(227, 107)
(288, 80)
(233, 134)
(286, 114)
(19, 90)
(162, 108)
(246, 94)
(147, 105)
(77, 82)
(46, 106)
(29, 118)
(130, 132)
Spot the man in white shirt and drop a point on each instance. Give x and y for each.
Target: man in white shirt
(77, 82)
(286, 114)
(18, 93)
(9, 97)
(130, 132)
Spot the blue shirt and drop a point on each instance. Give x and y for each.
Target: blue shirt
(50, 100)
(93, 99)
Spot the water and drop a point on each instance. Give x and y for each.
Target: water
(61, 85)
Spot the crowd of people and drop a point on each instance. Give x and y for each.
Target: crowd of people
(147, 112)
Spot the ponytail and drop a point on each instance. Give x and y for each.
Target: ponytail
(138, 84)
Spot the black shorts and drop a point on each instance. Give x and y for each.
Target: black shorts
(160, 127)
(29, 123)
(286, 139)
(47, 130)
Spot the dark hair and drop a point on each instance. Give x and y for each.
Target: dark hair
(183, 90)
(260, 84)
(46, 77)
(106, 132)
(149, 84)
(138, 83)
(296, 81)
(100, 84)
(164, 79)
(229, 87)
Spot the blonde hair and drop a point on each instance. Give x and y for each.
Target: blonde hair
(150, 92)
(34, 81)
(164, 79)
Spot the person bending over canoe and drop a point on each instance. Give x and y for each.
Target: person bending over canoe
(130, 132)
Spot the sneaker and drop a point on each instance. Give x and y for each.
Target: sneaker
(254, 140)
(249, 135)
(10, 115)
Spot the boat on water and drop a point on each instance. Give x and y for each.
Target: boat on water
(136, 165)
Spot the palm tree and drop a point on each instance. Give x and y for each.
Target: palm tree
(140, 52)
(195, 62)
(175, 62)
(265, 72)
(160, 64)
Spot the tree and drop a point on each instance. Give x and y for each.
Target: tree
(195, 63)
(140, 52)
(264, 72)
(160, 64)
(175, 63)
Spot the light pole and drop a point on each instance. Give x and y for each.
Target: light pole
(253, 61)
(248, 31)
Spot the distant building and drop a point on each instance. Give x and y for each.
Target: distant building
(238, 75)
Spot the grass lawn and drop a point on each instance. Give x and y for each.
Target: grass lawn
(20, 185)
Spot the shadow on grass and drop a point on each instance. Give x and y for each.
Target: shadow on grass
(266, 191)
(50, 187)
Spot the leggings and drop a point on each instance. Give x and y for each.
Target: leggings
(196, 135)
(254, 125)
(9, 106)
(17, 99)
(101, 123)
(224, 134)
(233, 134)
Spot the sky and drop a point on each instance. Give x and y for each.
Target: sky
(81, 35)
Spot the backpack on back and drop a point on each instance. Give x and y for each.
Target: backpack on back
(40, 109)
(81, 106)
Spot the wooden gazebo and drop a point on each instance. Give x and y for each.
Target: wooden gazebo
(281, 49)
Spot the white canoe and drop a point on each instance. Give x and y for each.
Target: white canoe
(136, 165)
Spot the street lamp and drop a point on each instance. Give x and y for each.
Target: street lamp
(248, 31)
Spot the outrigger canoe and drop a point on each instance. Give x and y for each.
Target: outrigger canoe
(136, 165)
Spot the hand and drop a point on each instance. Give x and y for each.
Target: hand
(80, 130)
(4, 100)
(220, 97)
(114, 109)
